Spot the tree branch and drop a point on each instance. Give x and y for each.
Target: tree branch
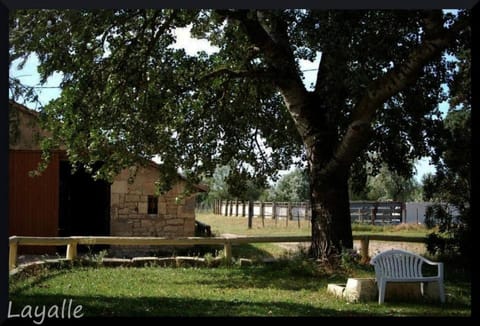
(437, 38)
(261, 74)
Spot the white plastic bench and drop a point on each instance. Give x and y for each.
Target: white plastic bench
(403, 266)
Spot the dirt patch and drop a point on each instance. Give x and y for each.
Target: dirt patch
(374, 246)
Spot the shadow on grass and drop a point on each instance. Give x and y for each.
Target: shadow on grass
(271, 276)
(176, 307)
(250, 251)
(38, 274)
(239, 251)
(143, 306)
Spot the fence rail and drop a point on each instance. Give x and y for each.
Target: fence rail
(360, 211)
(72, 242)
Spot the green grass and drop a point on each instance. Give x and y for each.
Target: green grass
(292, 286)
(285, 288)
(239, 225)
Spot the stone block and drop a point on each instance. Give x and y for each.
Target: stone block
(245, 262)
(175, 221)
(172, 209)
(116, 262)
(120, 186)
(144, 261)
(173, 229)
(336, 289)
(158, 223)
(117, 228)
(114, 199)
(360, 289)
(132, 198)
(189, 223)
(190, 261)
(167, 262)
(142, 208)
(162, 208)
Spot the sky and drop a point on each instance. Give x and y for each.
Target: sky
(51, 90)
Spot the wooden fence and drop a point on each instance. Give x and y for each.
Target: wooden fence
(360, 211)
(72, 242)
(273, 210)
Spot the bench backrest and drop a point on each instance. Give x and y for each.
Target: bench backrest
(399, 264)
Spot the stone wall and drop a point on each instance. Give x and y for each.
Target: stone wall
(129, 207)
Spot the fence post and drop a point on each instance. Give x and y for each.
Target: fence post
(364, 242)
(288, 213)
(250, 213)
(262, 213)
(298, 215)
(12, 255)
(72, 250)
(226, 207)
(274, 209)
(227, 248)
(231, 207)
(236, 207)
(373, 213)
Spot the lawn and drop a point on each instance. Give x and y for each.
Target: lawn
(289, 286)
(278, 289)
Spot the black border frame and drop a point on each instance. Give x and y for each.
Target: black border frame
(6, 5)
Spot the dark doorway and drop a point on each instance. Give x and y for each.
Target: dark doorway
(84, 205)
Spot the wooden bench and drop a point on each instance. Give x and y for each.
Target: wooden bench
(404, 266)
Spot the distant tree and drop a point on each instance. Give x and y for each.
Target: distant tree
(223, 186)
(451, 186)
(293, 186)
(388, 185)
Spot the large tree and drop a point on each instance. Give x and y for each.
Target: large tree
(128, 94)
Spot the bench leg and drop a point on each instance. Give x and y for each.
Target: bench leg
(381, 291)
(441, 291)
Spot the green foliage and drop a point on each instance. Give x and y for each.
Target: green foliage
(451, 186)
(349, 259)
(227, 185)
(386, 185)
(292, 187)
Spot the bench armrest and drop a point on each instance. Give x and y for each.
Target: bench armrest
(438, 264)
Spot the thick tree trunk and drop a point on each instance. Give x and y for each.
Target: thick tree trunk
(331, 223)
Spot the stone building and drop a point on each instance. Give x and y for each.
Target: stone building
(137, 211)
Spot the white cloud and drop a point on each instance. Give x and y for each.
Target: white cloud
(192, 45)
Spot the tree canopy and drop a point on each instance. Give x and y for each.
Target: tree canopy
(128, 94)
